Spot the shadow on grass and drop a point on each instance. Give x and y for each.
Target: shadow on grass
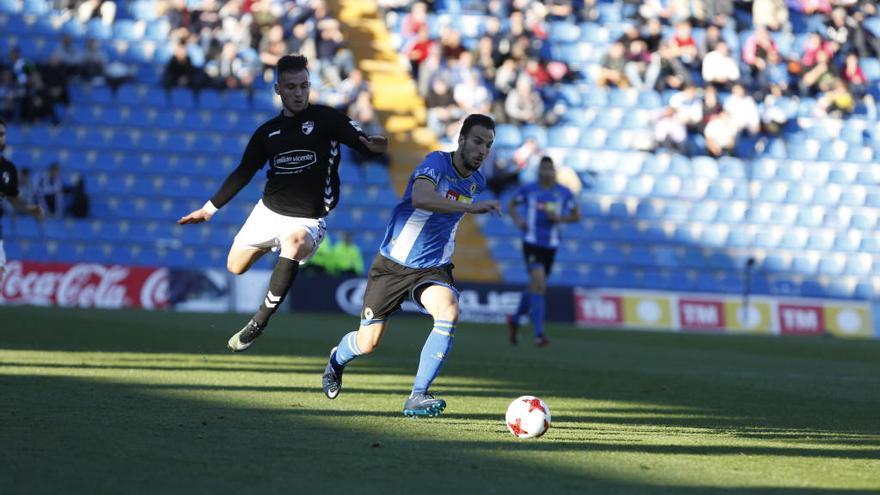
(94, 436)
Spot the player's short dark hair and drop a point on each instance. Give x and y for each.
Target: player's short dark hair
(477, 119)
(546, 158)
(292, 62)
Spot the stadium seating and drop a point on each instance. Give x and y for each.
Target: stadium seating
(804, 205)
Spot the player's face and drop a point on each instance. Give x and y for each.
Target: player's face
(474, 148)
(293, 88)
(2, 137)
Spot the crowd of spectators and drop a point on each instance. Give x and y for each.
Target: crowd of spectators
(725, 93)
(59, 197)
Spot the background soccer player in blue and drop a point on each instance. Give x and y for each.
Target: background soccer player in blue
(545, 204)
(414, 261)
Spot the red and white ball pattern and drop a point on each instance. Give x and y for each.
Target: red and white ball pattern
(528, 417)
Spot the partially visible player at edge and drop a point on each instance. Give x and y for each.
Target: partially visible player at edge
(302, 148)
(547, 204)
(9, 190)
(415, 261)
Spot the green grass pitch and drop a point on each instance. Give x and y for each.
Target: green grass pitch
(137, 402)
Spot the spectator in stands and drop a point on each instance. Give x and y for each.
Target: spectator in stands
(683, 45)
(9, 96)
(336, 59)
(505, 78)
(180, 72)
(743, 110)
(720, 135)
(524, 105)
(613, 64)
(777, 73)
(837, 102)
(773, 116)
(50, 191)
(94, 61)
(346, 257)
(670, 131)
(711, 105)
(419, 50)
(79, 199)
(673, 74)
(854, 77)
(37, 102)
(814, 46)
(472, 96)
(433, 67)
(527, 154)
(442, 109)
(272, 47)
(687, 10)
(719, 68)
(101, 9)
(687, 107)
(70, 56)
(755, 53)
(413, 23)
(653, 35)
(229, 70)
(450, 44)
(55, 76)
(771, 14)
(300, 42)
(26, 188)
(640, 72)
(486, 58)
(819, 77)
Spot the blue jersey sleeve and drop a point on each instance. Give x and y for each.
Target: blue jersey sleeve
(431, 168)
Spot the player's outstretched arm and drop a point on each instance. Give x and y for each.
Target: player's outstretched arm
(514, 213)
(376, 144)
(488, 206)
(35, 210)
(203, 214)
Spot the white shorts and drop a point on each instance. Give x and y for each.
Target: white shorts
(264, 229)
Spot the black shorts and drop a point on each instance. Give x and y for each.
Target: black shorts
(390, 283)
(539, 255)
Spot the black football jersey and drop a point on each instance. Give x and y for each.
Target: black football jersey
(302, 152)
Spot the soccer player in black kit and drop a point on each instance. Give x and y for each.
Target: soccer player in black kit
(302, 148)
(9, 190)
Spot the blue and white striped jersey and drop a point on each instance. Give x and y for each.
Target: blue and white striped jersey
(537, 202)
(422, 239)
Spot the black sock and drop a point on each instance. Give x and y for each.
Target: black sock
(282, 278)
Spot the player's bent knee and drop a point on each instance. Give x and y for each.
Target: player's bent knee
(236, 267)
(448, 313)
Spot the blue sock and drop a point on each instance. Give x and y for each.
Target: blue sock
(524, 304)
(434, 353)
(537, 314)
(345, 351)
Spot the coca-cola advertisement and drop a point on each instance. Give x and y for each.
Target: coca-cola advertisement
(84, 285)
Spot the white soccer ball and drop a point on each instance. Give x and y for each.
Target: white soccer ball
(527, 417)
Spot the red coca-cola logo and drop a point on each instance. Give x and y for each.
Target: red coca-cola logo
(84, 285)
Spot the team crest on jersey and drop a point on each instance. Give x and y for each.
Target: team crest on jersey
(368, 313)
(308, 127)
(6, 177)
(473, 187)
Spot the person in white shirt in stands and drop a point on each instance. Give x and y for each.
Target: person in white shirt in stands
(719, 67)
(743, 110)
(720, 134)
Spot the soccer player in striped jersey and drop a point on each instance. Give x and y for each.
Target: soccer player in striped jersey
(547, 204)
(414, 261)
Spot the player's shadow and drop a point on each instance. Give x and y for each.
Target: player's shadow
(128, 435)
